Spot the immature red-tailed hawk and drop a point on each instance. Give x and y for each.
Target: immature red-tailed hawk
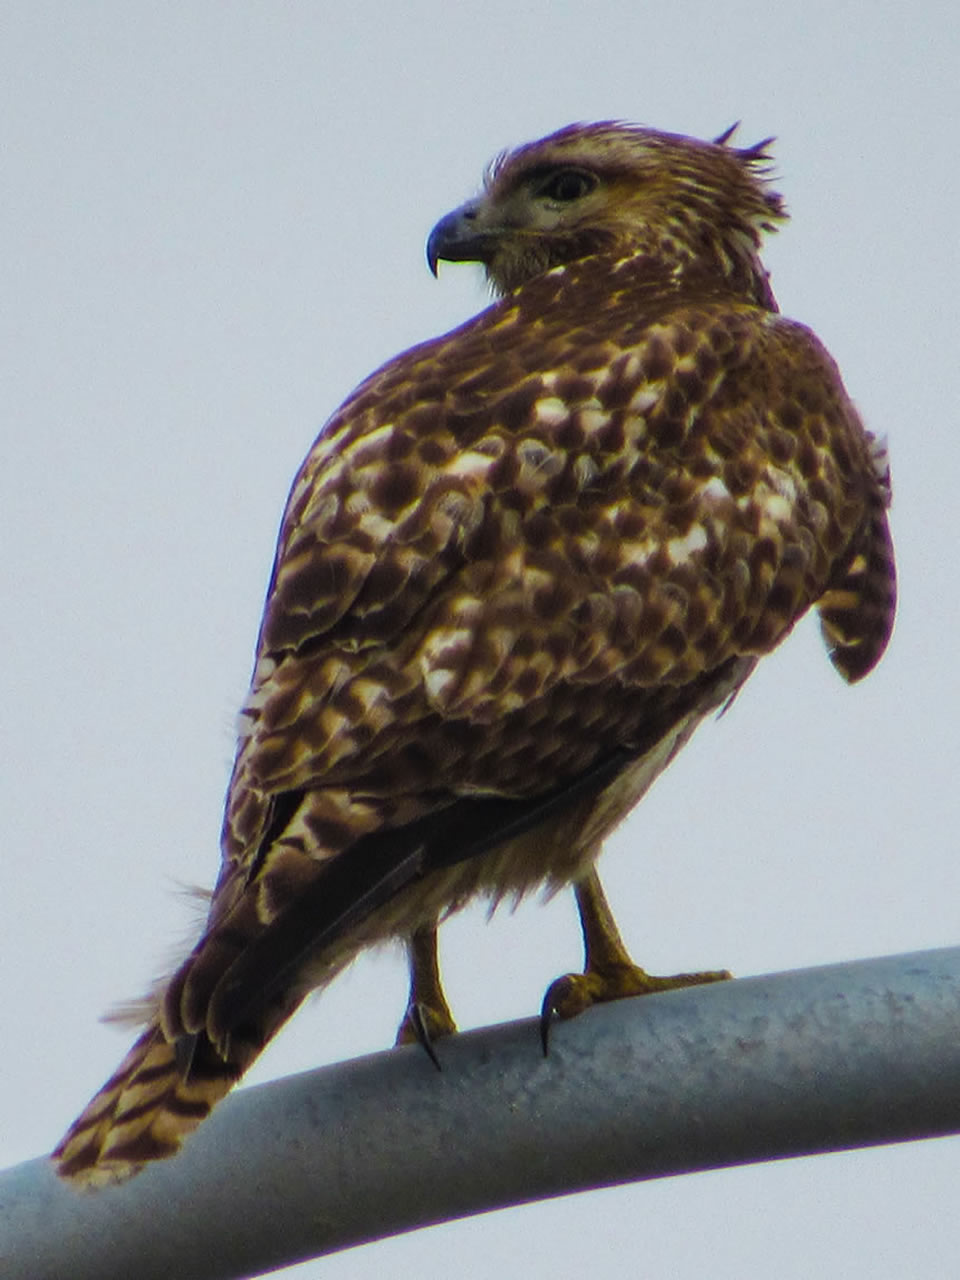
(517, 569)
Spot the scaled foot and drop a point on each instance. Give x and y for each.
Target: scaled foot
(574, 992)
(609, 973)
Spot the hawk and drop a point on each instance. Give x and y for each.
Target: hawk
(517, 569)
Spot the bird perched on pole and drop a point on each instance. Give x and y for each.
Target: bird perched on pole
(517, 569)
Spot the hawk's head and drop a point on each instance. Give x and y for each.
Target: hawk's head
(610, 186)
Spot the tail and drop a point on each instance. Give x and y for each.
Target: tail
(181, 1066)
(210, 1020)
(177, 1071)
(146, 1108)
(174, 1074)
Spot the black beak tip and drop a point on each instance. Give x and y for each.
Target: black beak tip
(455, 238)
(439, 241)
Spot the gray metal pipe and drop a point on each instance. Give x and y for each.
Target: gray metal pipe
(819, 1060)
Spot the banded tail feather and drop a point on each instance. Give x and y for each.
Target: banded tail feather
(145, 1110)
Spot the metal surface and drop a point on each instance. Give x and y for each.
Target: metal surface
(818, 1060)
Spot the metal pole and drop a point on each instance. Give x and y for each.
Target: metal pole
(762, 1068)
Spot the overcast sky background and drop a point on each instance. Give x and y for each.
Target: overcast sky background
(212, 220)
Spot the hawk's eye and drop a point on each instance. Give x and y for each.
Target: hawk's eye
(568, 184)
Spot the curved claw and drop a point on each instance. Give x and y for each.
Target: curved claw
(546, 1018)
(425, 1024)
(566, 997)
(418, 1024)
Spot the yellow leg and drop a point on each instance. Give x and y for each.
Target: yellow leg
(609, 973)
(428, 1015)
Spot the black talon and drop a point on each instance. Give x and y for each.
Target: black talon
(547, 1011)
(415, 1015)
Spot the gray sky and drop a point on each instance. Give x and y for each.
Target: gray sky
(213, 220)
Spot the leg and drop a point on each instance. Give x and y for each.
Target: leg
(428, 1015)
(609, 973)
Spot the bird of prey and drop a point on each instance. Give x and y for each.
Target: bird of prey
(517, 569)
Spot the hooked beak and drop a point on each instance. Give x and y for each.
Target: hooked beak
(458, 237)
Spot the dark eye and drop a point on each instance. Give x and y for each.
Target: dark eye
(567, 184)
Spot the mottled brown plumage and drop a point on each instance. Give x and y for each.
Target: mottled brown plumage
(517, 569)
